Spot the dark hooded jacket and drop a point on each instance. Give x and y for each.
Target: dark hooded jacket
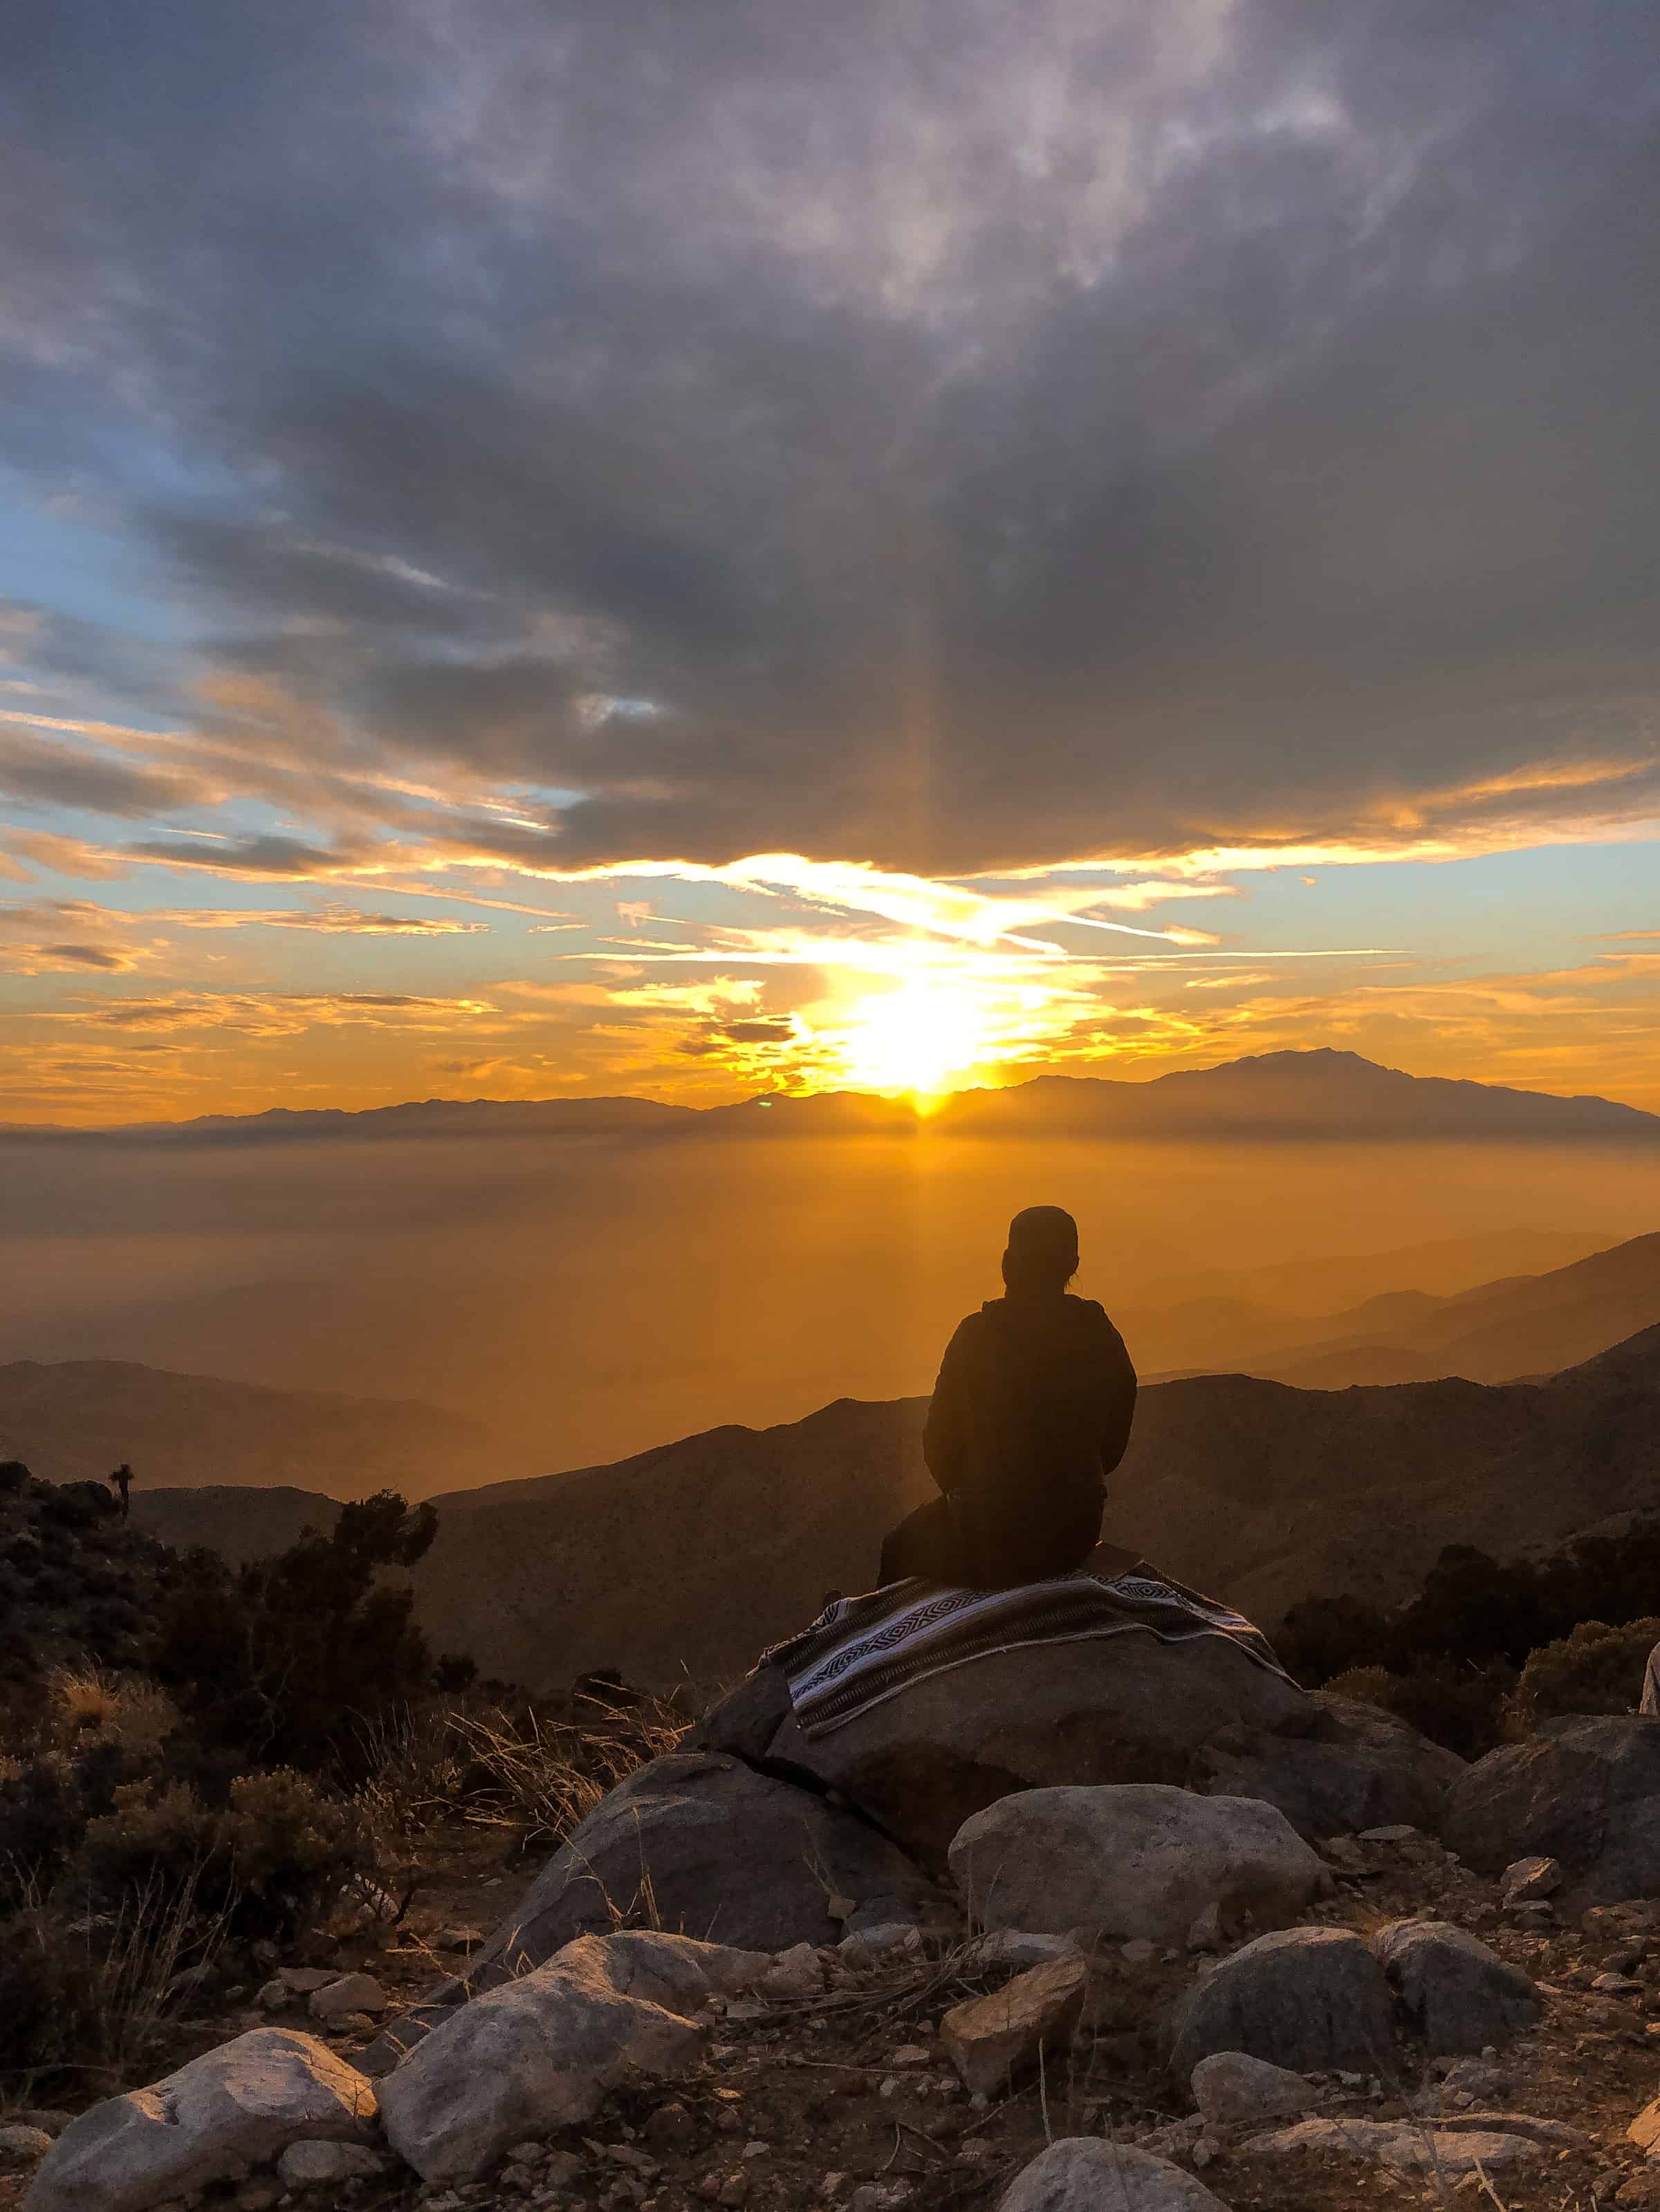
(1030, 1413)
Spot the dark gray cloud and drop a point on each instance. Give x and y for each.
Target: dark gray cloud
(980, 432)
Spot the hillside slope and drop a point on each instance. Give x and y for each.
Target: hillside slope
(74, 1418)
(1530, 1325)
(692, 1557)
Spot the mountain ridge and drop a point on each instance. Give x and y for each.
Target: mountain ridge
(1324, 1092)
(74, 1420)
(688, 1558)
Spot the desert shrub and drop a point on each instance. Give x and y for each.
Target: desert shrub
(88, 1702)
(266, 1863)
(45, 1811)
(285, 1660)
(1596, 1668)
(77, 1505)
(1474, 1611)
(1462, 1707)
(88, 1998)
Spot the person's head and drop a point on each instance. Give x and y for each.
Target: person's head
(1042, 1249)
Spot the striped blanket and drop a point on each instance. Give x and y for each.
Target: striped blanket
(862, 1651)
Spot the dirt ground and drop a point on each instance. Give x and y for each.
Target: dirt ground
(845, 2102)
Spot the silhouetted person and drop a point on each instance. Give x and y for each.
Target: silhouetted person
(122, 1479)
(1031, 1414)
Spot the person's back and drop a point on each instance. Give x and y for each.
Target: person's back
(1032, 1412)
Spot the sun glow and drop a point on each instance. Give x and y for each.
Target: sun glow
(916, 1038)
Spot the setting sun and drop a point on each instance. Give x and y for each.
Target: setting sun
(915, 1038)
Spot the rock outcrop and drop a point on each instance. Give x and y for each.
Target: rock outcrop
(1120, 1708)
(1133, 1859)
(1458, 1994)
(544, 2050)
(701, 1845)
(1585, 1792)
(1309, 1999)
(235, 2106)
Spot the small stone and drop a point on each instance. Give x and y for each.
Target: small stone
(1139, 1951)
(325, 2165)
(275, 1995)
(988, 2039)
(48, 2118)
(868, 1946)
(670, 2128)
(525, 2154)
(1233, 2090)
(21, 2146)
(797, 1972)
(1400, 1832)
(458, 1939)
(349, 1993)
(734, 2190)
(908, 2054)
(258, 2197)
(1618, 1986)
(1205, 1933)
(303, 1980)
(1525, 1881)
(1017, 1947)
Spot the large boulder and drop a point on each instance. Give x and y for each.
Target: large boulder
(705, 1846)
(234, 2108)
(700, 1844)
(1459, 1995)
(1090, 2173)
(1352, 1767)
(1312, 2000)
(1117, 1708)
(1585, 1791)
(544, 2051)
(1132, 1858)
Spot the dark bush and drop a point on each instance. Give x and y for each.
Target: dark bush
(1474, 1611)
(1463, 1708)
(1595, 1670)
(266, 1863)
(77, 1504)
(287, 1660)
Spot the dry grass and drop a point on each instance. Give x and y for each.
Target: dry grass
(87, 1704)
(113, 1980)
(543, 1779)
(418, 1762)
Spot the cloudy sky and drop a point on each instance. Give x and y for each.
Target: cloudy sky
(555, 548)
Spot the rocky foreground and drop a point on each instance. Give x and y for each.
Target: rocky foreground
(1050, 1978)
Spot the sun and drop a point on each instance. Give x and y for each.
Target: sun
(915, 1038)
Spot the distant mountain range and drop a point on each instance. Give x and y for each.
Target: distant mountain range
(688, 1559)
(1321, 1095)
(73, 1419)
(80, 1417)
(1528, 1325)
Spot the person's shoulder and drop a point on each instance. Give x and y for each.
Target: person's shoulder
(1092, 1316)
